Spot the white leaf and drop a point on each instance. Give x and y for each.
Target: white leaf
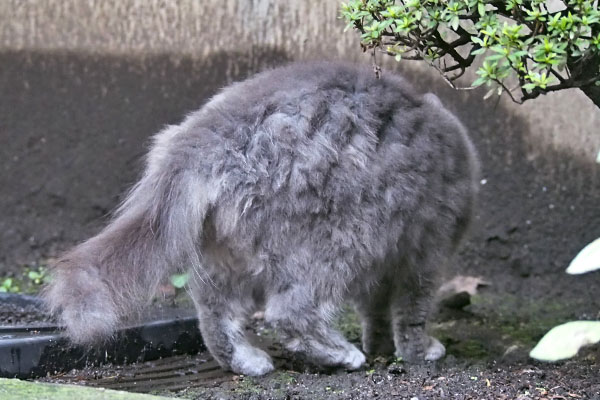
(587, 260)
(489, 94)
(565, 340)
(462, 283)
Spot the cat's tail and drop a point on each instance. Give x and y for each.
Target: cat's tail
(154, 233)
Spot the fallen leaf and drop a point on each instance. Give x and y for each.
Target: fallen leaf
(587, 260)
(462, 283)
(564, 341)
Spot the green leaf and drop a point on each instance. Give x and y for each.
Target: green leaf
(179, 280)
(477, 40)
(564, 341)
(454, 22)
(495, 57)
(33, 275)
(479, 81)
(587, 260)
(481, 8)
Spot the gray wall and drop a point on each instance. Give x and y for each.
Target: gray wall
(84, 83)
(303, 29)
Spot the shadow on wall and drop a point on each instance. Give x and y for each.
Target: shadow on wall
(538, 205)
(74, 128)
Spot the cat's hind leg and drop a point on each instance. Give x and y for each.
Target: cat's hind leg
(373, 306)
(304, 324)
(222, 319)
(410, 306)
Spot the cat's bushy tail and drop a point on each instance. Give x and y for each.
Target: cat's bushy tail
(154, 233)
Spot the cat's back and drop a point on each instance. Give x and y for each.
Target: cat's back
(327, 112)
(326, 140)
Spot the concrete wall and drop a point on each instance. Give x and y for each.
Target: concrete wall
(183, 27)
(83, 83)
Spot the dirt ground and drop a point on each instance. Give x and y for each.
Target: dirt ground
(73, 129)
(473, 369)
(444, 380)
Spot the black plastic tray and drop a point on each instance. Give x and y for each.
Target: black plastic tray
(37, 350)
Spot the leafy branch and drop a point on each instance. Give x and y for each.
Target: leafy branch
(527, 48)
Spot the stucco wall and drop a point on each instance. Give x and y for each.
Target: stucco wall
(301, 28)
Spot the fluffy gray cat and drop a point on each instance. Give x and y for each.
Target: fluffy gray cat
(293, 191)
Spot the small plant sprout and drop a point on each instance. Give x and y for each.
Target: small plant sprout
(37, 277)
(179, 280)
(30, 281)
(8, 286)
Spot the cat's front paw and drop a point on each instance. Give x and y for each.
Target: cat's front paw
(418, 347)
(435, 351)
(248, 360)
(344, 355)
(354, 359)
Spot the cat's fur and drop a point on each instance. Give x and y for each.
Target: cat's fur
(295, 190)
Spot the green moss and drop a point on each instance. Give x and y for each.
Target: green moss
(528, 333)
(284, 378)
(248, 385)
(14, 389)
(348, 323)
(498, 322)
(468, 349)
(520, 320)
(512, 308)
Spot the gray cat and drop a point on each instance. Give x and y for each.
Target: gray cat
(295, 190)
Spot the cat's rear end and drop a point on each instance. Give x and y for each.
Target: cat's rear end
(295, 190)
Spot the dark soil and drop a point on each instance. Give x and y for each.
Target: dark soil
(73, 129)
(446, 379)
(12, 314)
(457, 376)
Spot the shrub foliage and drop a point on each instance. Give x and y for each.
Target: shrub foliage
(528, 47)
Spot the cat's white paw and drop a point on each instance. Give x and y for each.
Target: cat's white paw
(248, 360)
(435, 351)
(354, 359)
